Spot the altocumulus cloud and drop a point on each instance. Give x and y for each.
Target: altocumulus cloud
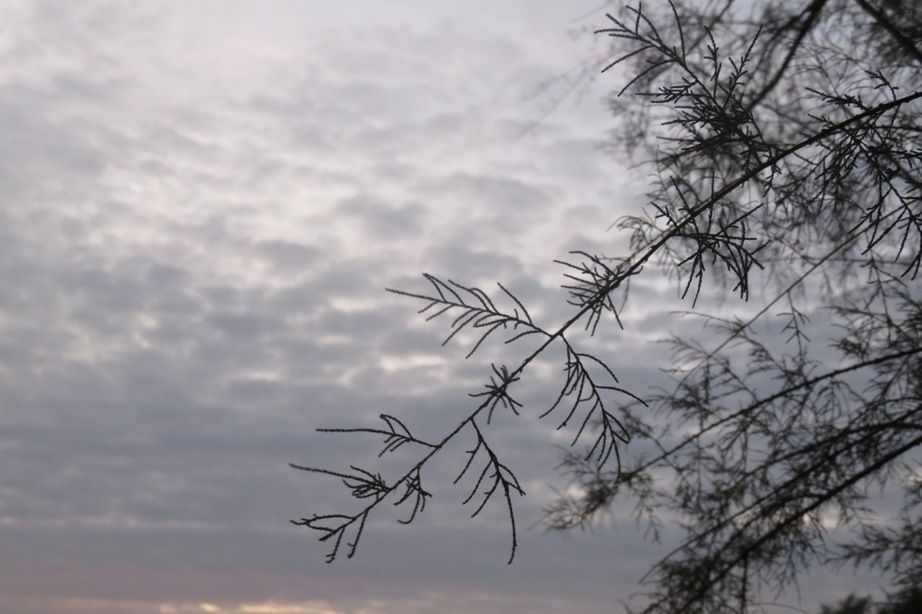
(202, 204)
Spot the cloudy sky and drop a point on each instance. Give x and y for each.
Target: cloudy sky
(202, 203)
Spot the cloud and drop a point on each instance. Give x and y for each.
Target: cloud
(203, 206)
(288, 256)
(381, 221)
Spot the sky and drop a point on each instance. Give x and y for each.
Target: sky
(203, 203)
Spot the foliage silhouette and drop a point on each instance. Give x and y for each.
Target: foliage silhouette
(906, 601)
(784, 140)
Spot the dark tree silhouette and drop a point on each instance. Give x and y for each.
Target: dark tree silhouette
(906, 601)
(850, 605)
(784, 141)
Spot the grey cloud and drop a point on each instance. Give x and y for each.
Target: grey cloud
(288, 255)
(360, 324)
(509, 198)
(458, 259)
(34, 143)
(382, 220)
(186, 298)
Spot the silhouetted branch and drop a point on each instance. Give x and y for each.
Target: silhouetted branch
(784, 148)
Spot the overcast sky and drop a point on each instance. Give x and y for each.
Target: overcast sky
(202, 203)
